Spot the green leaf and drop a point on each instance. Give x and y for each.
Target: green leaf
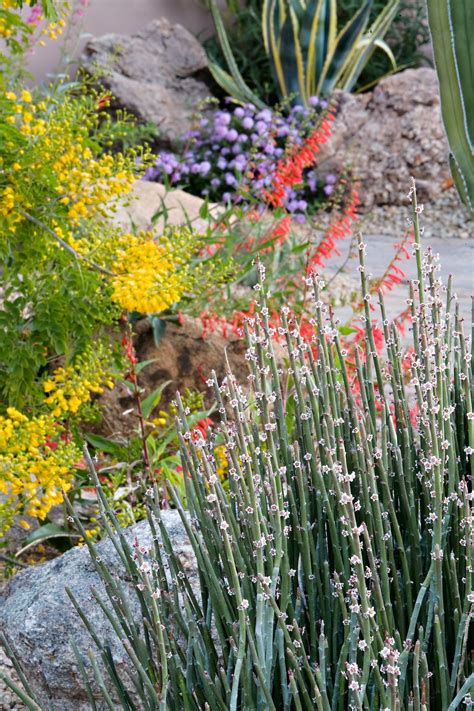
(158, 326)
(103, 444)
(226, 82)
(345, 45)
(149, 403)
(235, 75)
(44, 533)
(291, 59)
(144, 363)
(346, 330)
(367, 45)
(314, 39)
(204, 209)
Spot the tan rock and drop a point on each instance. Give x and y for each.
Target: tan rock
(156, 74)
(147, 199)
(390, 134)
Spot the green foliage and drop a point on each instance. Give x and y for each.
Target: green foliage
(407, 33)
(451, 26)
(244, 31)
(130, 463)
(17, 33)
(309, 54)
(129, 133)
(336, 572)
(55, 184)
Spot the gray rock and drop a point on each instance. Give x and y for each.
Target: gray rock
(156, 74)
(39, 620)
(390, 134)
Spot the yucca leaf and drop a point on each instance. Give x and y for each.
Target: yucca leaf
(366, 48)
(225, 81)
(273, 30)
(311, 33)
(299, 60)
(265, 15)
(367, 45)
(243, 89)
(331, 13)
(345, 45)
(287, 57)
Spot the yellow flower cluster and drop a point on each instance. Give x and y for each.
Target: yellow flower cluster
(72, 386)
(55, 151)
(12, 25)
(36, 464)
(222, 463)
(151, 276)
(8, 25)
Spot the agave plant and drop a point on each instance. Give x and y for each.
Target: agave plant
(309, 55)
(452, 25)
(336, 571)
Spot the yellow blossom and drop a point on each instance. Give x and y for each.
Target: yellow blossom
(36, 465)
(71, 387)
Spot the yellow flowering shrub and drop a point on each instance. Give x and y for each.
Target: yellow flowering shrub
(38, 454)
(36, 464)
(20, 32)
(67, 270)
(152, 274)
(71, 387)
(147, 279)
(58, 189)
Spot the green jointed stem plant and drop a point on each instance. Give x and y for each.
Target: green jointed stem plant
(336, 571)
(452, 25)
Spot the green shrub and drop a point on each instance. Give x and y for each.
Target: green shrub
(336, 571)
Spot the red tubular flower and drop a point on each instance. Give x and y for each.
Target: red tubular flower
(201, 428)
(103, 102)
(290, 168)
(339, 229)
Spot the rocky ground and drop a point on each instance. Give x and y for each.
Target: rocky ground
(444, 218)
(8, 700)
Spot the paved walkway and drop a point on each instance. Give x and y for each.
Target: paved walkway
(457, 258)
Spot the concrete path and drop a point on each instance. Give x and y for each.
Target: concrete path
(456, 255)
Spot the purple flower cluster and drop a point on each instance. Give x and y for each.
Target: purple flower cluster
(233, 156)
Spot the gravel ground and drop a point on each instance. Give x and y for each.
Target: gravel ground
(447, 218)
(8, 700)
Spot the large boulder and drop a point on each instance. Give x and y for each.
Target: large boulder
(390, 134)
(156, 74)
(147, 199)
(39, 620)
